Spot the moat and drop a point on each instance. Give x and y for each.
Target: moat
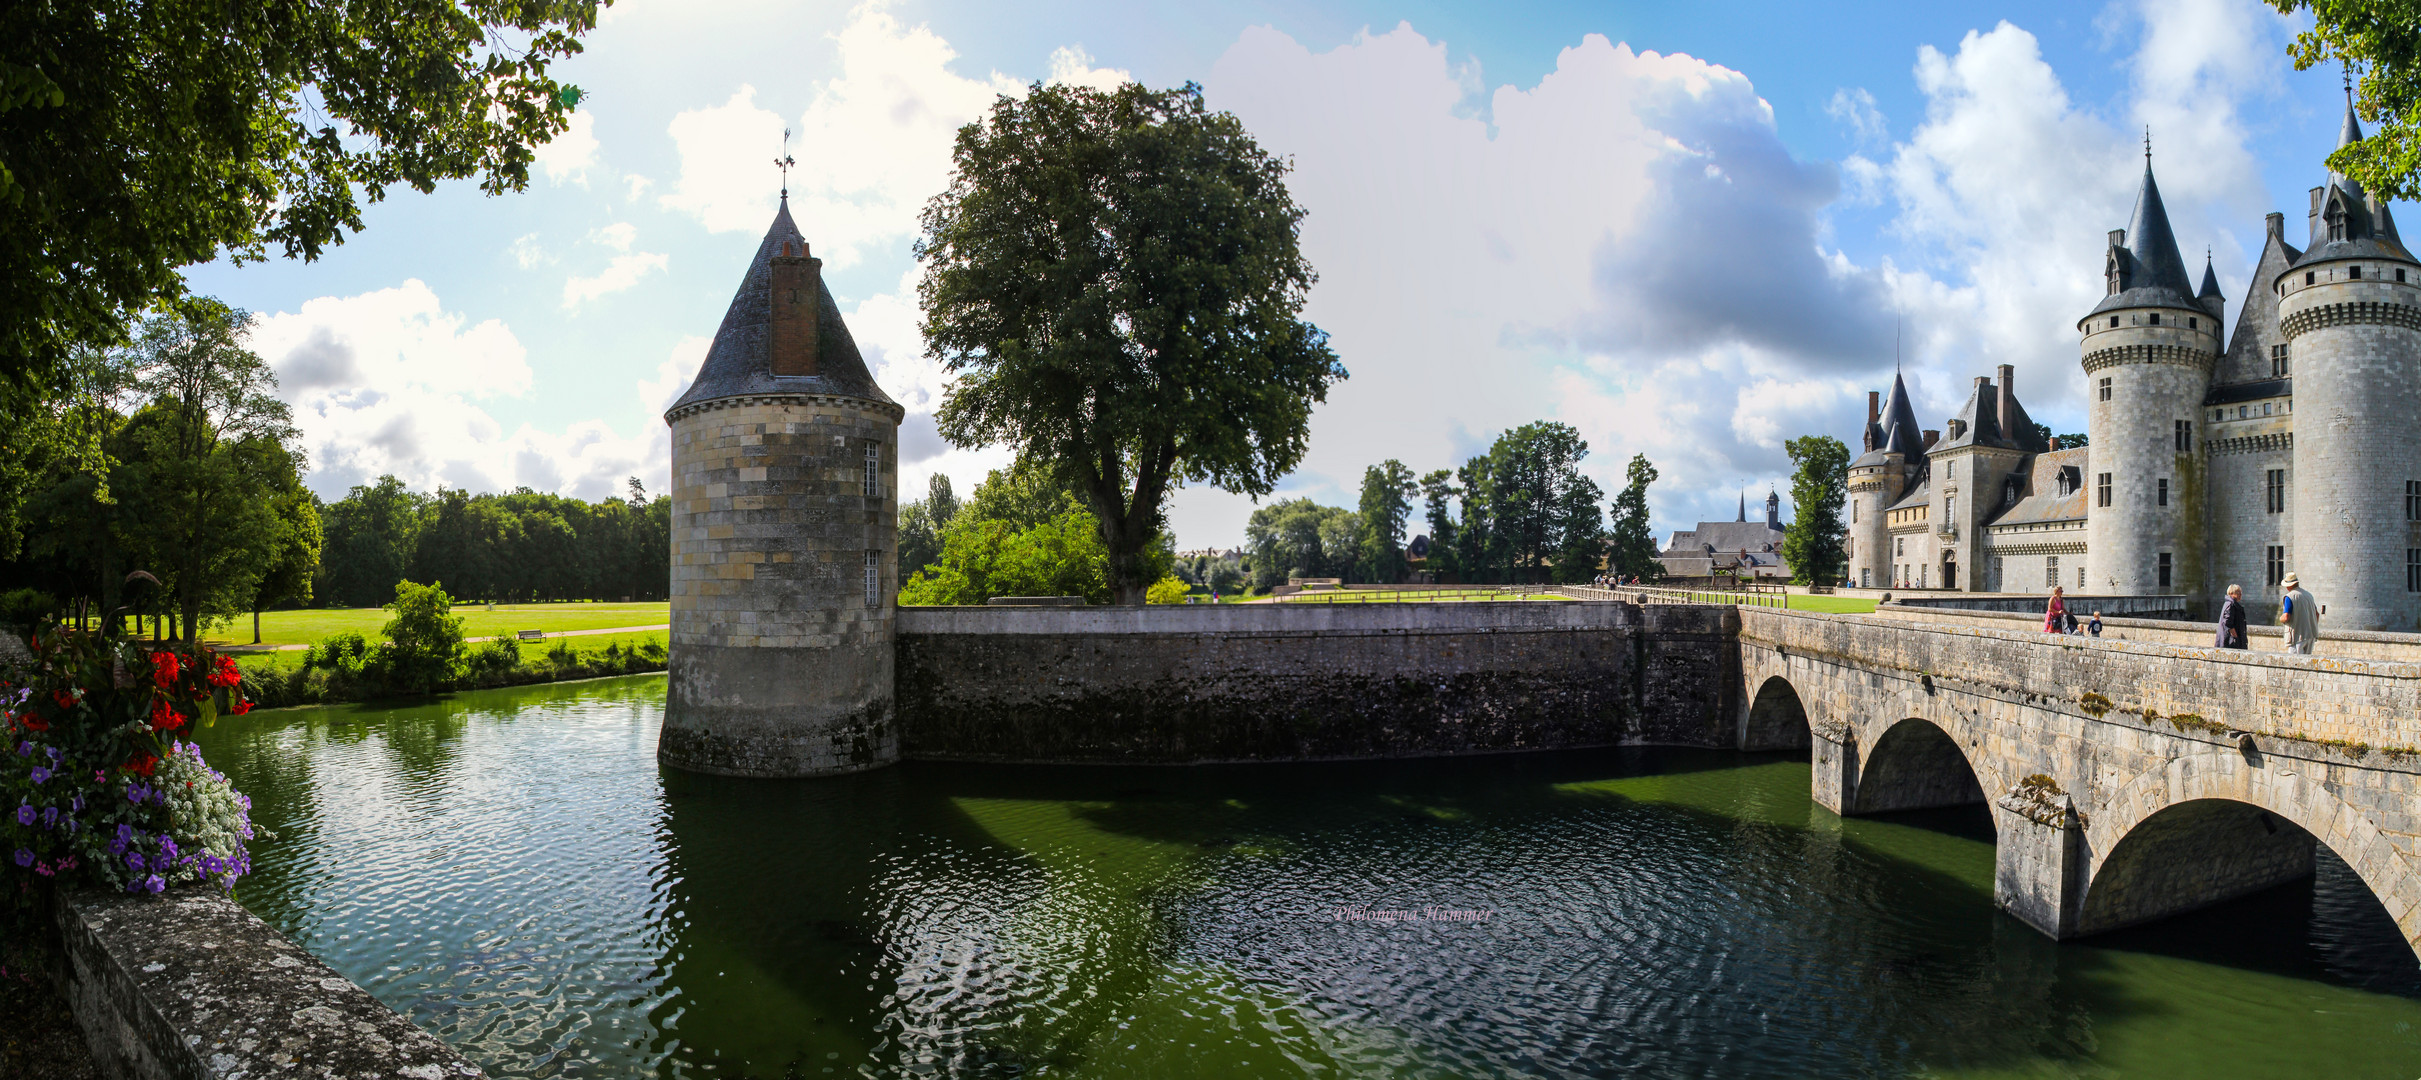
(514, 872)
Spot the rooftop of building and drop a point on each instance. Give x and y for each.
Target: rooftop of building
(739, 363)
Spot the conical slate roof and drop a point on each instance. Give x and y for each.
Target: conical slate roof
(1900, 432)
(2210, 282)
(739, 363)
(2156, 273)
(2370, 231)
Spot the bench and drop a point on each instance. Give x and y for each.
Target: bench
(532, 635)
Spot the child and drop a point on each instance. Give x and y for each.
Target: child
(2095, 624)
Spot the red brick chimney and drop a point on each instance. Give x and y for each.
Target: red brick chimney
(796, 286)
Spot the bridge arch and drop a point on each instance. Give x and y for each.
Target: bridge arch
(1913, 764)
(1776, 718)
(2209, 827)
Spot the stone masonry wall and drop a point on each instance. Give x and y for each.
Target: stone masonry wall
(1292, 682)
(191, 985)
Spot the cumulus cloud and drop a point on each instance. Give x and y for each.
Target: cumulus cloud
(390, 382)
(622, 273)
(872, 145)
(1072, 66)
(1856, 111)
(569, 155)
(528, 253)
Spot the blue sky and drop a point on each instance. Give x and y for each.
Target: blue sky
(1687, 230)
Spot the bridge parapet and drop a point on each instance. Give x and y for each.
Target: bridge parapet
(2121, 780)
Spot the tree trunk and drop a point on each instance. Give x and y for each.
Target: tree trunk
(256, 626)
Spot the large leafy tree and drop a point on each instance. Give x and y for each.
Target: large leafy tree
(1634, 544)
(1387, 490)
(2382, 40)
(141, 136)
(1293, 538)
(1437, 500)
(1114, 279)
(1812, 545)
(209, 455)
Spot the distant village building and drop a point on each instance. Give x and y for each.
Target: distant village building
(1751, 549)
(2195, 474)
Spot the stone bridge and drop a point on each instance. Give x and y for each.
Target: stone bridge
(2128, 781)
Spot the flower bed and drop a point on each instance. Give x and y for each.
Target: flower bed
(96, 787)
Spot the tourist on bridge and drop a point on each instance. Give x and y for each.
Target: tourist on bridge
(2055, 617)
(2232, 621)
(2300, 614)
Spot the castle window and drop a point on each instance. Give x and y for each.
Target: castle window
(2185, 436)
(2265, 408)
(2080, 577)
(2412, 500)
(2354, 272)
(2399, 275)
(2164, 491)
(2273, 499)
(1866, 577)
(2278, 360)
(1947, 502)
(1853, 513)
(874, 578)
(2156, 318)
(2101, 489)
(2307, 277)
(2193, 323)
(2105, 385)
(874, 468)
(2412, 569)
(2274, 565)
(1899, 545)
(1996, 572)
(2163, 569)
(2113, 322)
(2243, 411)
(2335, 216)
(2051, 570)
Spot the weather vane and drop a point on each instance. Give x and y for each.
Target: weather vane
(785, 162)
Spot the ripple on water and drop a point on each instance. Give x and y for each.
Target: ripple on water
(513, 871)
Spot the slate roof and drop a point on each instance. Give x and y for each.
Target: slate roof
(2043, 501)
(738, 363)
(2370, 229)
(2248, 352)
(1726, 537)
(2250, 391)
(2155, 274)
(1919, 495)
(1897, 431)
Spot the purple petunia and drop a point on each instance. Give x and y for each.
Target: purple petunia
(134, 861)
(40, 774)
(25, 748)
(25, 814)
(50, 816)
(126, 834)
(154, 883)
(25, 857)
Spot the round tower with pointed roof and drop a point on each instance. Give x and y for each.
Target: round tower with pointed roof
(784, 531)
(1893, 463)
(2350, 311)
(2148, 349)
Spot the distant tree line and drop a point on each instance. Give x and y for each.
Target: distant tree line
(1522, 512)
(517, 546)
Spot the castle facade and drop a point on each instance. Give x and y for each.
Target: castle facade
(2195, 474)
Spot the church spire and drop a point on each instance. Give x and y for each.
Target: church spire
(1743, 505)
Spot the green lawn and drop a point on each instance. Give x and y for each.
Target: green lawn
(309, 625)
(1833, 605)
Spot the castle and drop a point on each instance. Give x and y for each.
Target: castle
(1751, 549)
(785, 537)
(2194, 475)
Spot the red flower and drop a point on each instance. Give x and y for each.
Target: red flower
(227, 674)
(65, 698)
(239, 707)
(35, 723)
(164, 717)
(164, 669)
(142, 766)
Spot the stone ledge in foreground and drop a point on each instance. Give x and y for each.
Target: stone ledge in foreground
(190, 985)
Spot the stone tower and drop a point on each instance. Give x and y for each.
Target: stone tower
(2350, 310)
(784, 532)
(1894, 460)
(2148, 349)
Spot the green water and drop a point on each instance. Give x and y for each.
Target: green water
(513, 871)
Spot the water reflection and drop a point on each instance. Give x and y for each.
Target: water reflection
(513, 871)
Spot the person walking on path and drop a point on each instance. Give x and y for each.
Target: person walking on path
(2231, 620)
(2055, 616)
(2300, 614)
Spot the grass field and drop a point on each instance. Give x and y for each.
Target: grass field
(1833, 605)
(290, 659)
(309, 625)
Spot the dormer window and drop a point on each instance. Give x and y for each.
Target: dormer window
(2335, 216)
(2111, 274)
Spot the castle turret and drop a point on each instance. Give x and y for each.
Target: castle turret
(1894, 461)
(2147, 348)
(2350, 311)
(784, 526)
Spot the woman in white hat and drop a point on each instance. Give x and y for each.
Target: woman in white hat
(2300, 614)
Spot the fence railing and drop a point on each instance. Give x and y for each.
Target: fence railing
(1767, 596)
(1401, 595)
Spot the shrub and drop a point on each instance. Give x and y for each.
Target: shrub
(424, 638)
(21, 609)
(1168, 590)
(336, 653)
(493, 662)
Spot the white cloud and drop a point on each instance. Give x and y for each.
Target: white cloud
(873, 144)
(673, 376)
(624, 272)
(1855, 109)
(528, 253)
(570, 154)
(387, 382)
(618, 236)
(1072, 66)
